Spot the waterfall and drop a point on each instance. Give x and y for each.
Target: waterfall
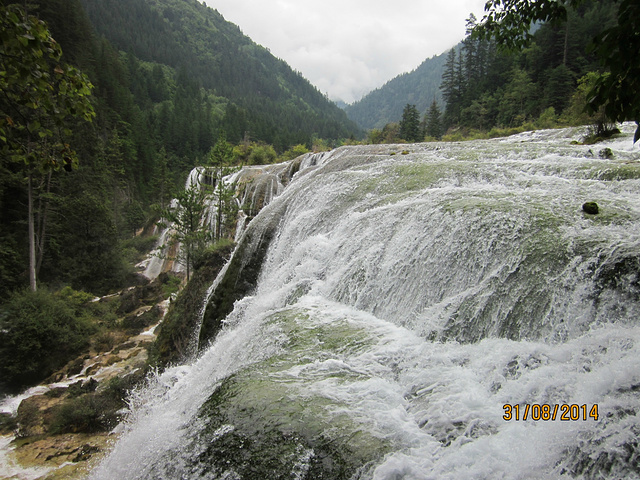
(406, 294)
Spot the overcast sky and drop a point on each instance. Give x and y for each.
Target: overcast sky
(347, 48)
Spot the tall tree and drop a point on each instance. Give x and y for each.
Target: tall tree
(40, 96)
(433, 121)
(410, 124)
(184, 217)
(220, 159)
(617, 47)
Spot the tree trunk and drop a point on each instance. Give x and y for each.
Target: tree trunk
(32, 238)
(42, 225)
(565, 52)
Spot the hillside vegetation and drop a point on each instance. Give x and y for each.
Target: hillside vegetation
(120, 101)
(385, 104)
(489, 91)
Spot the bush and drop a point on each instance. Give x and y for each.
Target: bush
(81, 414)
(262, 155)
(39, 333)
(93, 411)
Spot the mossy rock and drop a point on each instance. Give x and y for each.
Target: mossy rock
(137, 323)
(175, 341)
(591, 208)
(8, 423)
(241, 275)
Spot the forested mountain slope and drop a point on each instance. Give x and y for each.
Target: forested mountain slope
(168, 76)
(267, 98)
(384, 105)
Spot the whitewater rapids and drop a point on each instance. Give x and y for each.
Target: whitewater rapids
(409, 293)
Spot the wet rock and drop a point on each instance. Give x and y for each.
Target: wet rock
(8, 423)
(590, 208)
(138, 321)
(34, 415)
(136, 297)
(606, 153)
(67, 454)
(175, 334)
(241, 275)
(75, 367)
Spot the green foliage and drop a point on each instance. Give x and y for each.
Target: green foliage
(410, 124)
(294, 152)
(40, 97)
(40, 94)
(220, 158)
(93, 411)
(139, 246)
(172, 285)
(187, 74)
(433, 122)
(262, 155)
(264, 95)
(547, 119)
(39, 333)
(616, 45)
(185, 219)
(84, 246)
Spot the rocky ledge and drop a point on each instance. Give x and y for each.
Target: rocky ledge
(61, 428)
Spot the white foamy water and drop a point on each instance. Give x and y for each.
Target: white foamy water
(404, 300)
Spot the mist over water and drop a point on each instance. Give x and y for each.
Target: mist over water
(409, 293)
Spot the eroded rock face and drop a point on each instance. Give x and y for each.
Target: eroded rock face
(175, 342)
(241, 274)
(61, 457)
(34, 415)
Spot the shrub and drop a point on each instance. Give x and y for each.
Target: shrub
(39, 333)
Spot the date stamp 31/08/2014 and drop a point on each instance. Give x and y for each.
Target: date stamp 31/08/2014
(545, 412)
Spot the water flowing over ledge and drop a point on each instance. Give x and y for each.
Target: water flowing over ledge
(402, 295)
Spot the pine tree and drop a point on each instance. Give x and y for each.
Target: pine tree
(185, 219)
(220, 158)
(451, 91)
(433, 121)
(410, 124)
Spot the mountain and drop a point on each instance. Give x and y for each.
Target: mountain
(384, 105)
(263, 95)
(169, 76)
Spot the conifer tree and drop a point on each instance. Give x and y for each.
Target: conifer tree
(410, 124)
(184, 217)
(433, 121)
(221, 158)
(450, 87)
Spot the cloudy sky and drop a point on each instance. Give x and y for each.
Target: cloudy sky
(347, 48)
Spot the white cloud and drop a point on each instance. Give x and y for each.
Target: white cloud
(346, 48)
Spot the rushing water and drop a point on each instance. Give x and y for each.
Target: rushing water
(409, 293)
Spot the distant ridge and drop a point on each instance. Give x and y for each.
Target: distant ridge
(282, 107)
(385, 104)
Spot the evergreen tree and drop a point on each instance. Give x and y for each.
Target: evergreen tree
(451, 92)
(410, 124)
(185, 219)
(616, 45)
(433, 121)
(221, 158)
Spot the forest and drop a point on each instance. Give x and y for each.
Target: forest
(141, 90)
(489, 90)
(160, 99)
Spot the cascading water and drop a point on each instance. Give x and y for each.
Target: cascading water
(404, 300)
